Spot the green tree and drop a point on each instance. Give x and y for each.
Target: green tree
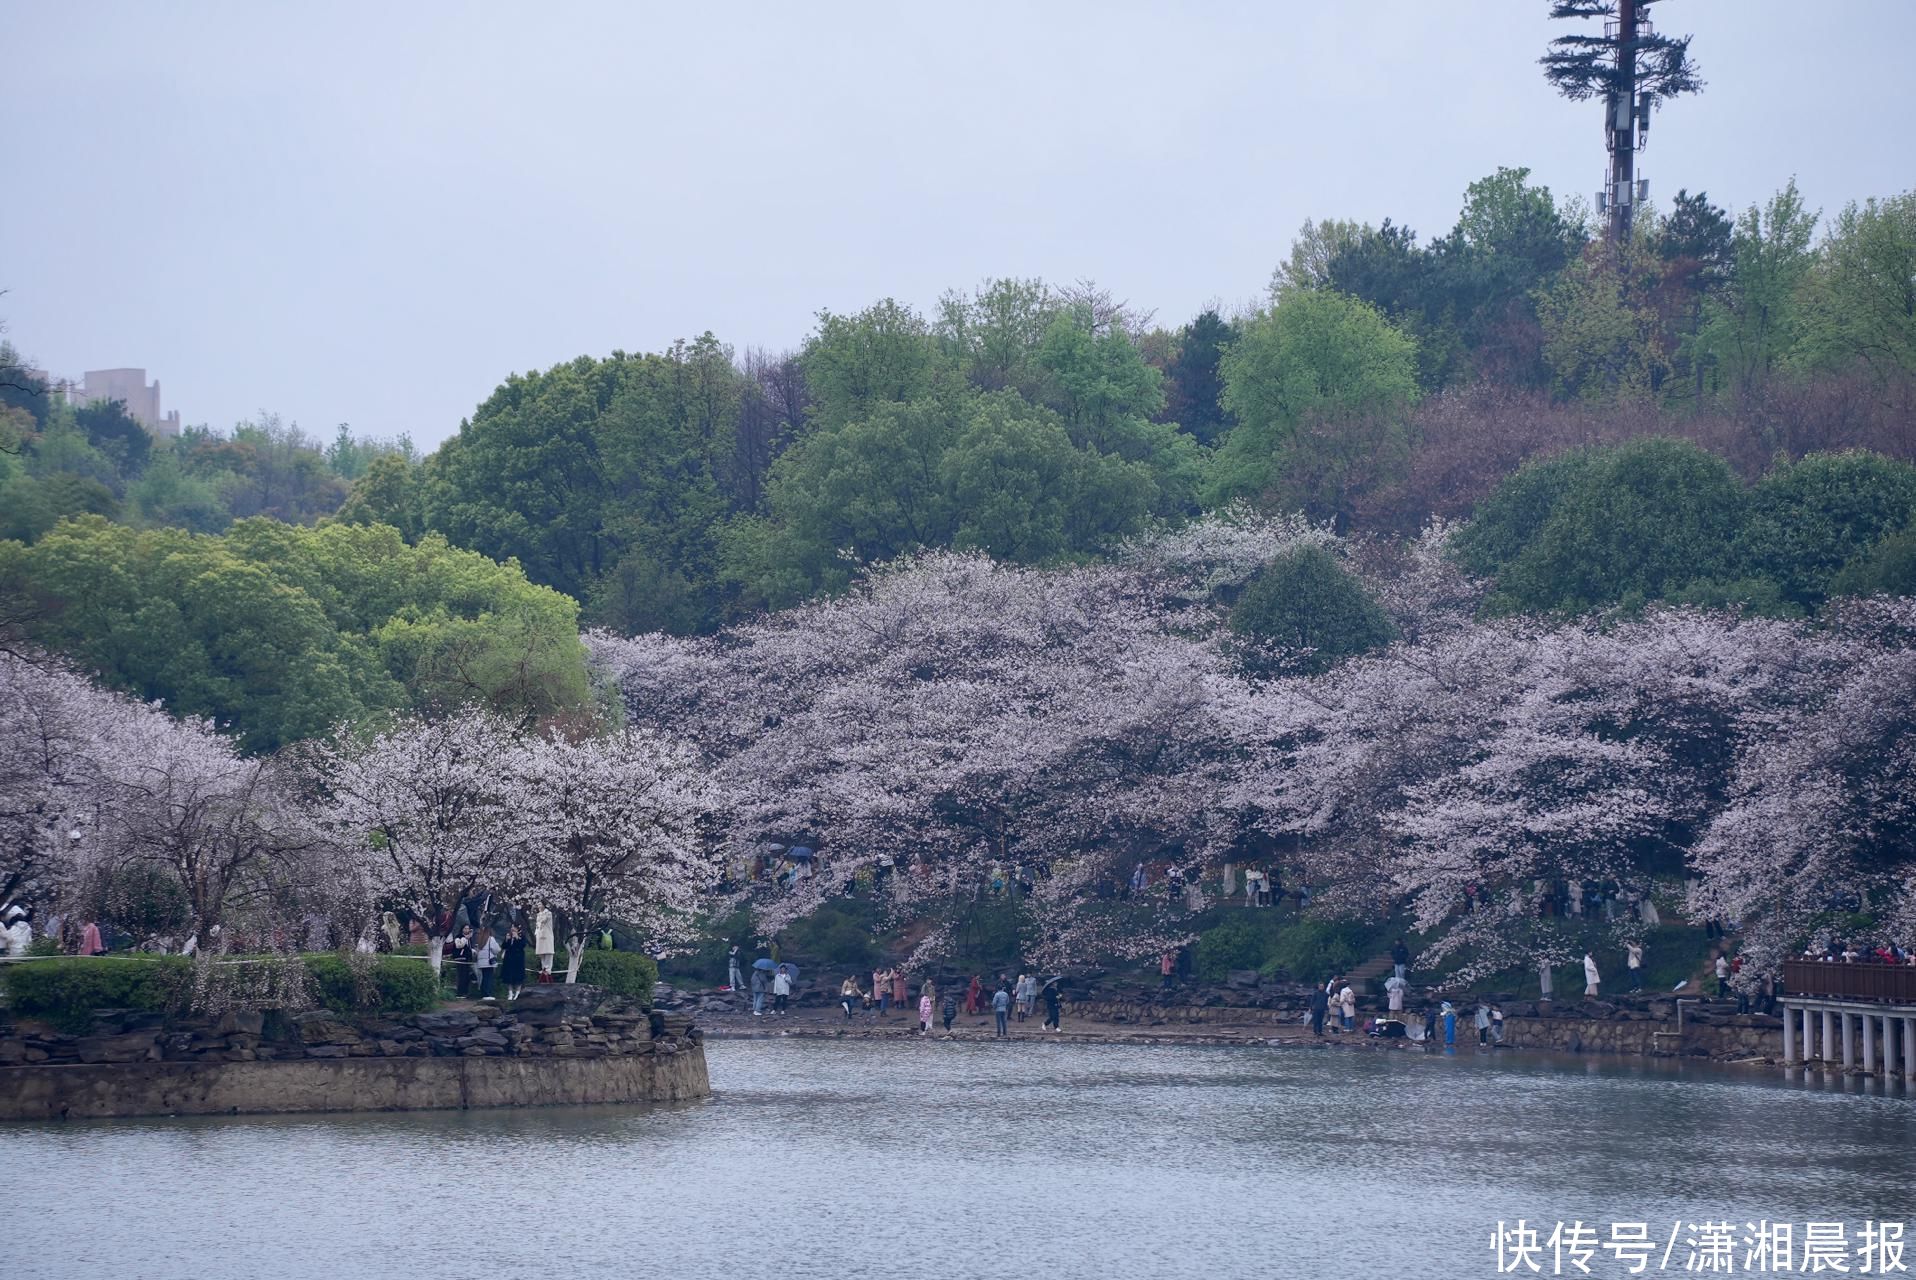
(853, 364)
(392, 491)
(1309, 264)
(1305, 612)
(1810, 518)
(1193, 383)
(1751, 327)
(1316, 355)
(117, 435)
(1602, 334)
(994, 334)
(1507, 522)
(1637, 523)
(1888, 568)
(282, 632)
(1860, 299)
(572, 470)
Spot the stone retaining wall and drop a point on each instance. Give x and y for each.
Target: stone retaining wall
(554, 1045)
(1745, 1036)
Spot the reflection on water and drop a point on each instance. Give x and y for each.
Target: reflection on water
(863, 1158)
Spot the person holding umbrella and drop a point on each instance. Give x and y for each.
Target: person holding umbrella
(781, 987)
(849, 995)
(761, 978)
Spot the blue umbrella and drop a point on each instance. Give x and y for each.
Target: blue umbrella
(764, 962)
(791, 970)
(800, 853)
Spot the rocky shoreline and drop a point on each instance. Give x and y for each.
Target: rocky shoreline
(1131, 1013)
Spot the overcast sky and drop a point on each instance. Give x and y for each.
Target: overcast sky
(373, 213)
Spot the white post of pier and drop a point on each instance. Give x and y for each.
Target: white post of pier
(1809, 1035)
(1869, 1043)
(1828, 1055)
(1849, 1039)
(1789, 1038)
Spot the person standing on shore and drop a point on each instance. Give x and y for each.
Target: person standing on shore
(543, 948)
(950, 1010)
(924, 1009)
(1400, 958)
(781, 988)
(1394, 987)
(1450, 1025)
(1483, 1023)
(849, 995)
(460, 953)
(1633, 953)
(758, 993)
(1001, 1011)
(1722, 975)
(513, 971)
(900, 994)
(974, 996)
(1347, 1002)
(1051, 1011)
(881, 990)
(1590, 976)
(1320, 1005)
(485, 955)
(1167, 967)
(1027, 994)
(734, 979)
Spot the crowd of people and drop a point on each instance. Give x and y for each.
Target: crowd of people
(1839, 952)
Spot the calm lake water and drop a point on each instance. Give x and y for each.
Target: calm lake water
(929, 1159)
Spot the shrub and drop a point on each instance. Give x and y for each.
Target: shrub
(1311, 950)
(624, 973)
(838, 935)
(390, 984)
(1234, 943)
(67, 992)
(1312, 609)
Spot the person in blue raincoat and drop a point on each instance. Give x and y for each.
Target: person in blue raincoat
(1450, 1025)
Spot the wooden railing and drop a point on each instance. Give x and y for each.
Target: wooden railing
(1894, 983)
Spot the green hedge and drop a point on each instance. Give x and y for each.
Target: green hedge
(390, 984)
(624, 973)
(66, 992)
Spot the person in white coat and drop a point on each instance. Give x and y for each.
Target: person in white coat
(542, 942)
(1347, 1003)
(19, 933)
(1394, 988)
(1590, 977)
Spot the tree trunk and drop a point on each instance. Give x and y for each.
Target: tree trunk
(574, 956)
(435, 952)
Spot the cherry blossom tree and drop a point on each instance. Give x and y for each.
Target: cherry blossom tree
(432, 809)
(52, 725)
(1820, 818)
(179, 797)
(955, 723)
(620, 835)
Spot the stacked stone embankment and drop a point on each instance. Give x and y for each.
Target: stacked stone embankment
(556, 1045)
